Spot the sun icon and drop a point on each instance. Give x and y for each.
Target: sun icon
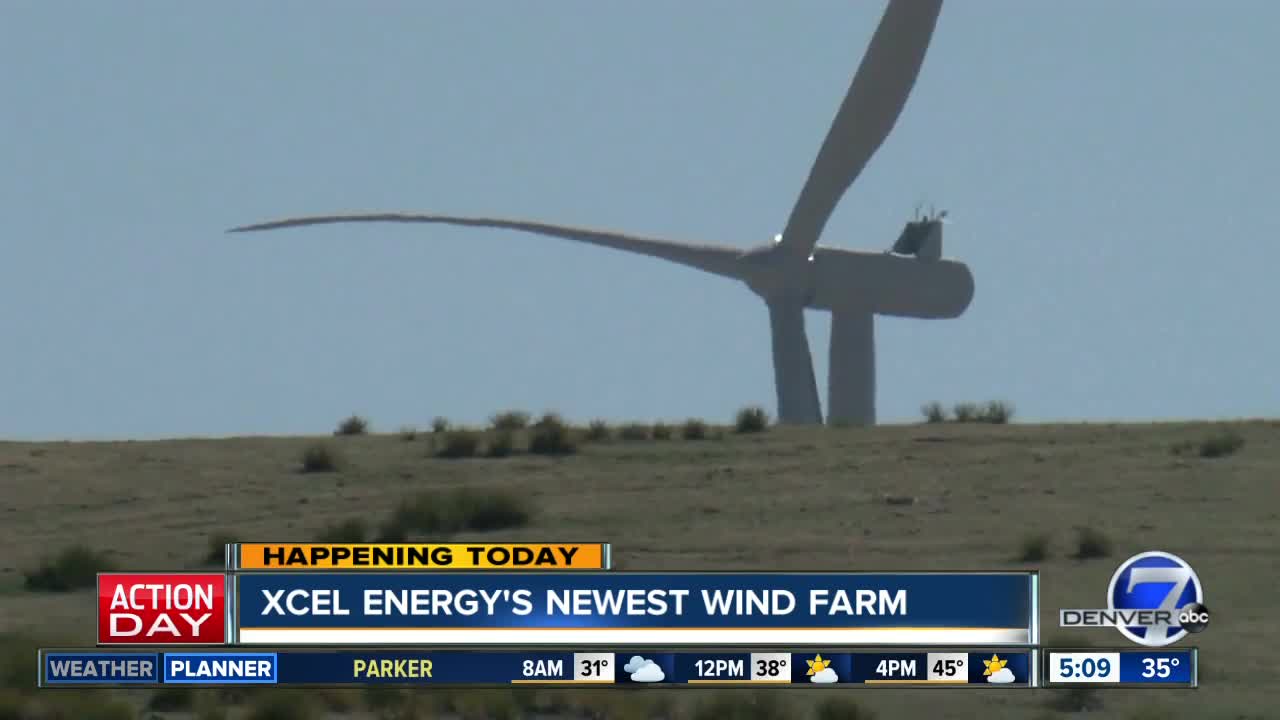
(994, 665)
(817, 665)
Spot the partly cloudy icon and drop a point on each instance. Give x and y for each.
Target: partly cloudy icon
(820, 671)
(1001, 676)
(826, 675)
(996, 671)
(643, 670)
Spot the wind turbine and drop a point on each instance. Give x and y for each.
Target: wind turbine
(793, 272)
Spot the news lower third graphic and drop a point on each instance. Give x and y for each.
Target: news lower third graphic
(1154, 599)
(502, 614)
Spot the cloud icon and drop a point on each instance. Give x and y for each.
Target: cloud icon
(1001, 676)
(650, 673)
(636, 663)
(827, 675)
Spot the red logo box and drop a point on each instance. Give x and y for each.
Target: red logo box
(162, 608)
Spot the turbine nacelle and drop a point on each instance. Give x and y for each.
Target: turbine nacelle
(922, 237)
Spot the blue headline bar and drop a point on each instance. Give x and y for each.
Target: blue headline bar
(637, 601)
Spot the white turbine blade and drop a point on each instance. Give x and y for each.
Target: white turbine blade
(797, 387)
(716, 259)
(869, 111)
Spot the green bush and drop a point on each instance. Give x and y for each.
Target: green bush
(1222, 444)
(1035, 548)
(598, 431)
(661, 431)
(996, 412)
(174, 698)
(18, 667)
(502, 443)
(319, 457)
(354, 425)
(217, 552)
(966, 412)
(353, 530)
(443, 513)
(439, 425)
(551, 435)
(75, 568)
(633, 431)
(751, 419)
(408, 433)
(283, 705)
(934, 412)
(510, 420)
(459, 444)
(743, 705)
(841, 708)
(13, 705)
(1092, 543)
(693, 429)
(88, 705)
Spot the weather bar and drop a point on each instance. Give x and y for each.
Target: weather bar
(347, 667)
(1121, 667)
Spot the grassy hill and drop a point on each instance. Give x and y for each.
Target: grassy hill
(932, 496)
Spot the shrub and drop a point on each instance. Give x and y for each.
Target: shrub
(551, 435)
(75, 568)
(965, 412)
(17, 669)
(442, 513)
(598, 431)
(743, 706)
(459, 444)
(319, 457)
(661, 431)
(13, 706)
(1092, 543)
(354, 425)
(510, 420)
(502, 443)
(694, 429)
(174, 698)
(1221, 445)
(751, 419)
(217, 553)
(934, 412)
(353, 530)
(1035, 548)
(996, 412)
(89, 705)
(634, 431)
(1075, 700)
(439, 425)
(286, 705)
(408, 433)
(841, 708)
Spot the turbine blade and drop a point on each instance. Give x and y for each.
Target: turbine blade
(870, 109)
(716, 259)
(797, 387)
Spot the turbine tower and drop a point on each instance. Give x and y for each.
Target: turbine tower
(794, 273)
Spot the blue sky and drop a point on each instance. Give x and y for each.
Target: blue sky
(1110, 168)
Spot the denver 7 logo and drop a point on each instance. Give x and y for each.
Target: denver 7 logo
(1156, 581)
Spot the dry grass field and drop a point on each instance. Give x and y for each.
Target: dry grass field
(930, 496)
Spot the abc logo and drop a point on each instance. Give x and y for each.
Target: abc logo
(1162, 582)
(1194, 618)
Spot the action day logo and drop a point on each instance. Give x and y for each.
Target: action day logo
(1155, 599)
